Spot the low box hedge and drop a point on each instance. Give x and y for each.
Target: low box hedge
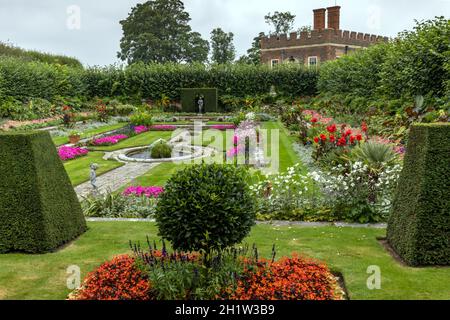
(39, 210)
(419, 225)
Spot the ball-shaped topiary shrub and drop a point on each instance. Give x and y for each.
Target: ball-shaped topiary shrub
(161, 150)
(206, 206)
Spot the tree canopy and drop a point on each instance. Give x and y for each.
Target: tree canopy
(282, 22)
(159, 31)
(222, 46)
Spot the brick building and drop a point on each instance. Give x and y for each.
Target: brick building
(321, 44)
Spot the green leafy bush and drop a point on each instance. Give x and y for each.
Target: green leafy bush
(416, 63)
(419, 225)
(161, 150)
(39, 209)
(141, 118)
(206, 207)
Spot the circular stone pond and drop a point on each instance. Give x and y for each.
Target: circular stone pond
(180, 153)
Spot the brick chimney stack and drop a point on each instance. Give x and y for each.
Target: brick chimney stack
(334, 17)
(319, 19)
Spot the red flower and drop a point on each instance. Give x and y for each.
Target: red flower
(331, 128)
(358, 137)
(342, 141)
(323, 137)
(314, 120)
(332, 138)
(348, 132)
(352, 139)
(364, 126)
(316, 139)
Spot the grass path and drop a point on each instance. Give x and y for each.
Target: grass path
(348, 250)
(143, 139)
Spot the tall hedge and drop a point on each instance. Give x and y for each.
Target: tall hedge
(39, 210)
(24, 80)
(419, 225)
(415, 63)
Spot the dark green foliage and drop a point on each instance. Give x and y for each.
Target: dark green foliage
(419, 225)
(159, 31)
(25, 80)
(161, 150)
(416, 63)
(8, 50)
(39, 210)
(222, 46)
(189, 98)
(205, 207)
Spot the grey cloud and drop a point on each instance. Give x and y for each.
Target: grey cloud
(41, 24)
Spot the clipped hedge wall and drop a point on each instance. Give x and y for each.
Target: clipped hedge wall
(419, 225)
(189, 96)
(24, 80)
(39, 210)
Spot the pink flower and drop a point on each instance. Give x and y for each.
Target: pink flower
(223, 126)
(143, 191)
(140, 129)
(109, 140)
(163, 127)
(67, 153)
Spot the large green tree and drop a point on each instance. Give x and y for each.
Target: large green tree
(159, 31)
(282, 22)
(222, 46)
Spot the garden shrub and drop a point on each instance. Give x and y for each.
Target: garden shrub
(206, 206)
(39, 210)
(419, 225)
(189, 99)
(161, 150)
(118, 279)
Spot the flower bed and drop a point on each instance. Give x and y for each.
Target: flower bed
(293, 278)
(110, 140)
(286, 279)
(143, 191)
(68, 153)
(223, 127)
(162, 127)
(140, 129)
(118, 279)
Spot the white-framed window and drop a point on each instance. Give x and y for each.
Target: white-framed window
(274, 62)
(313, 61)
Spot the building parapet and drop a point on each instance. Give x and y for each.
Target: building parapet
(343, 37)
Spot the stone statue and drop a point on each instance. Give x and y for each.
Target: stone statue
(200, 103)
(93, 176)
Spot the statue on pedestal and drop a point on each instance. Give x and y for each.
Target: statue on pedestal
(93, 176)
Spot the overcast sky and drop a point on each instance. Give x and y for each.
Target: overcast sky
(51, 25)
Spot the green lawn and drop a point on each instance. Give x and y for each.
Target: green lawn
(60, 140)
(78, 169)
(348, 250)
(157, 176)
(143, 139)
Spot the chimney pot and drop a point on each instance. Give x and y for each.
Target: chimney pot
(334, 17)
